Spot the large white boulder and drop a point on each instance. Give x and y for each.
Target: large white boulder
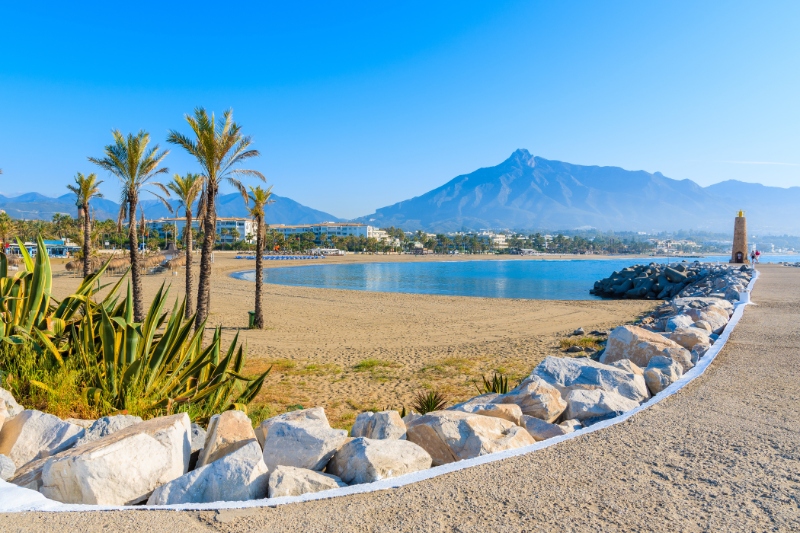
(541, 430)
(382, 425)
(678, 321)
(566, 374)
(120, 469)
(587, 404)
(714, 315)
(11, 404)
(506, 411)
(291, 481)
(303, 439)
(639, 346)
(535, 397)
(33, 435)
(106, 426)
(661, 373)
(364, 460)
(689, 337)
(7, 468)
(238, 476)
(450, 436)
(226, 433)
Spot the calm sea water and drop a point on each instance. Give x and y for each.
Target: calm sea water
(551, 280)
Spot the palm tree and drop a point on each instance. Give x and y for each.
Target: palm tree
(86, 188)
(260, 198)
(219, 147)
(187, 189)
(7, 227)
(134, 164)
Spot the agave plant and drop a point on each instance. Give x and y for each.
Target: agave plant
(498, 384)
(425, 402)
(156, 366)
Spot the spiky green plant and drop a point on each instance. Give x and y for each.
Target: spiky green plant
(150, 367)
(425, 402)
(498, 384)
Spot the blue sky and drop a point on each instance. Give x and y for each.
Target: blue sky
(358, 105)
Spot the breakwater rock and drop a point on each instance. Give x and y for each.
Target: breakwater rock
(662, 282)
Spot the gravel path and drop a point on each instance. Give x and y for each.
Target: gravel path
(721, 455)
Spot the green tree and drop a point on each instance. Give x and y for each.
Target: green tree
(134, 164)
(86, 188)
(219, 148)
(187, 189)
(260, 198)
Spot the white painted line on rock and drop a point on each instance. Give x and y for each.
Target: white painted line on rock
(17, 499)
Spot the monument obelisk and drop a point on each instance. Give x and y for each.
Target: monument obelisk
(739, 253)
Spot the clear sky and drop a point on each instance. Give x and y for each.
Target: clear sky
(359, 105)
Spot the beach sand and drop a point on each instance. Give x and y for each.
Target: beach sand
(350, 351)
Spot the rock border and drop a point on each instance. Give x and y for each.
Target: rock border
(15, 499)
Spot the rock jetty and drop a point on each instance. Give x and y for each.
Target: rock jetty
(122, 460)
(662, 282)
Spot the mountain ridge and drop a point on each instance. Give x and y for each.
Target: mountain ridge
(526, 192)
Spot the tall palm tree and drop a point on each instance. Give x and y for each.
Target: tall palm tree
(86, 188)
(186, 190)
(260, 198)
(7, 227)
(134, 164)
(219, 148)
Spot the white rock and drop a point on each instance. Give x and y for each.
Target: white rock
(82, 422)
(506, 411)
(382, 425)
(688, 337)
(587, 404)
(291, 481)
(566, 374)
(7, 468)
(33, 435)
(541, 430)
(227, 432)
(106, 426)
(535, 397)
(661, 373)
(119, 469)
(238, 476)
(628, 366)
(571, 425)
(303, 439)
(678, 321)
(198, 438)
(364, 460)
(714, 315)
(639, 346)
(450, 436)
(12, 406)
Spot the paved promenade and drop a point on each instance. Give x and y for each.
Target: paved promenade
(721, 455)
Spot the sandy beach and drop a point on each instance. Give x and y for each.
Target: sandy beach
(351, 351)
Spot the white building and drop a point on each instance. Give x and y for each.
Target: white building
(229, 229)
(324, 230)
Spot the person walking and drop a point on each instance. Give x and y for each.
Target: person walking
(758, 256)
(752, 257)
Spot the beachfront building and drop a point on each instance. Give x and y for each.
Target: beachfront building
(54, 247)
(229, 229)
(325, 230)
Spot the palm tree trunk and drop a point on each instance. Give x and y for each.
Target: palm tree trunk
(86, 237)
(259, 318)
(204, 284)
(136, 273)
(188, 232)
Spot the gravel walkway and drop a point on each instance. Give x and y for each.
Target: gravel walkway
(721, 455)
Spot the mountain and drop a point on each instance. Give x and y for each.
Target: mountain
(526, 192)
(37, 206)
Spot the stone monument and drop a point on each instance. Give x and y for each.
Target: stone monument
(739, 253)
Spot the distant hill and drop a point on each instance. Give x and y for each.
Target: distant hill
(37, 206)
(527, 192)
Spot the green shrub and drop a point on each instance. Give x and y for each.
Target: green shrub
(498, 384)
(159, 366)
(425, 402)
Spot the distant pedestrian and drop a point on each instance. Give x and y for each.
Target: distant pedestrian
(758, 256)
(753, 257)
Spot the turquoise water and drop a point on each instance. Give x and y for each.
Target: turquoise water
(551, 280)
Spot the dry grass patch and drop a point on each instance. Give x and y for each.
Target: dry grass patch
(583, 342)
